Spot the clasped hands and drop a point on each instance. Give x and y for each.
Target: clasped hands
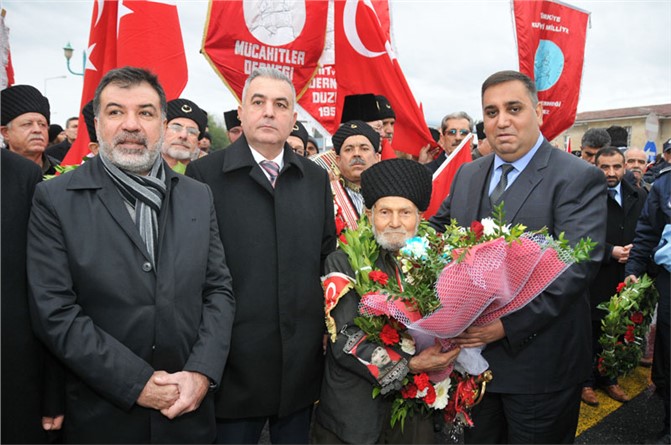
(174, 394)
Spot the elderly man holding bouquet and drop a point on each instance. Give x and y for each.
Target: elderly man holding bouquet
(395, 192)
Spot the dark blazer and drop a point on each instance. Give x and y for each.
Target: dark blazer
(545, 347)
(58, 151)
(23, 356)
(112, 318)
(620, 231)
(276, 241)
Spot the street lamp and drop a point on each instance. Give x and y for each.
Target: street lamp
(68, 50)
(51, 78)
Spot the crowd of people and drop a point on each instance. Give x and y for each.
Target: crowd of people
(164, 292)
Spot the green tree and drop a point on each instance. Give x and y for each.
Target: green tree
(217, 133)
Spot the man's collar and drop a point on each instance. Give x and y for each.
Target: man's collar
(350, 185)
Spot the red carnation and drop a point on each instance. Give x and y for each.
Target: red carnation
(342, 238)
(478, 229)
(422, 381)
(340, 225)
(409, 391)
(637, 317)
(629, 335)
(430, 396)
(389, 335)
(379, 277)
(620, 287)
(601, 366)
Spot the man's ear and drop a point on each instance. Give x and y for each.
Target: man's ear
(368, 212)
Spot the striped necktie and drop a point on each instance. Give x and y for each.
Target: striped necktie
(272, 169)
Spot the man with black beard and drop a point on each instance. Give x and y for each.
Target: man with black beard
(143, 348)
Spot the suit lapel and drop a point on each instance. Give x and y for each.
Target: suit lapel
(629, 197)
(95, 177)
(477, 191)
(526, 182)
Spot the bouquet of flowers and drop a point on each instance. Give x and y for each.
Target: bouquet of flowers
(630, 312)
(448, 282)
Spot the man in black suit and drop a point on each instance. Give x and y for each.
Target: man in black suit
(539, 355)
(625, 203)
(28, 386)
(275, 214)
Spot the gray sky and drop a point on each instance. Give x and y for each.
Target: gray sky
(445, 48)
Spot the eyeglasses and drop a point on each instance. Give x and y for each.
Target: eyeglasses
(178, 128)
(453, 132)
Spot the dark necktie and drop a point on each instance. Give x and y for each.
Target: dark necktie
(613, 193)
(273, 170)
(501, 186)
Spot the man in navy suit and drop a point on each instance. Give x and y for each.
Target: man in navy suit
(540, 354)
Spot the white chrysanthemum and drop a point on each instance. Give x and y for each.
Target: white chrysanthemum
(422, 393)
(415, 247)
(442, 394)
(407, 344)
(489, 226)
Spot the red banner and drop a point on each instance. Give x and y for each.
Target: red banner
(551, 44)
(243, 35)
(319, 99)
(138, 33)
(442, 178)
(367, 64)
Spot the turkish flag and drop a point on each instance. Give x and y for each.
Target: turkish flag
(366, 63)
(320, 99)
(551, 45)
(442, 178)
(144, 34)
(243, 35)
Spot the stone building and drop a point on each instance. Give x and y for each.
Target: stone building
(633, 119)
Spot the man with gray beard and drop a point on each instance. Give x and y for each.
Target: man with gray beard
(144, 348)
(186, 125)
(395, 191)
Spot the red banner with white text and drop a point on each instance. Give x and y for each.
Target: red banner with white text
(243, 35)
(551, 44)
(144, 34)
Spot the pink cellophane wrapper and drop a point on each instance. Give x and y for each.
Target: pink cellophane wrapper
(493, 279)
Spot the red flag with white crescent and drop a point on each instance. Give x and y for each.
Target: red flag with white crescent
(319, 99)
(551, 44)
(145, 34)
(366, 63)
(241, 35)
(335, 285)
(442, 178)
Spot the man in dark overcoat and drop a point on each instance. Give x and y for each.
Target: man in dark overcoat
(539, 355)
(624, 204)
(275, 215)
(30, 399)
(128, 282)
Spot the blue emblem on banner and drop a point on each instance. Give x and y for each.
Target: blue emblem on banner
(548, 64)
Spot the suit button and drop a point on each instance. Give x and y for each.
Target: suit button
(153, 347)
(146, 266)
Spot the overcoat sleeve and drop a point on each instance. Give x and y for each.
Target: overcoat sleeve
(96, 357)
(209, 353)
